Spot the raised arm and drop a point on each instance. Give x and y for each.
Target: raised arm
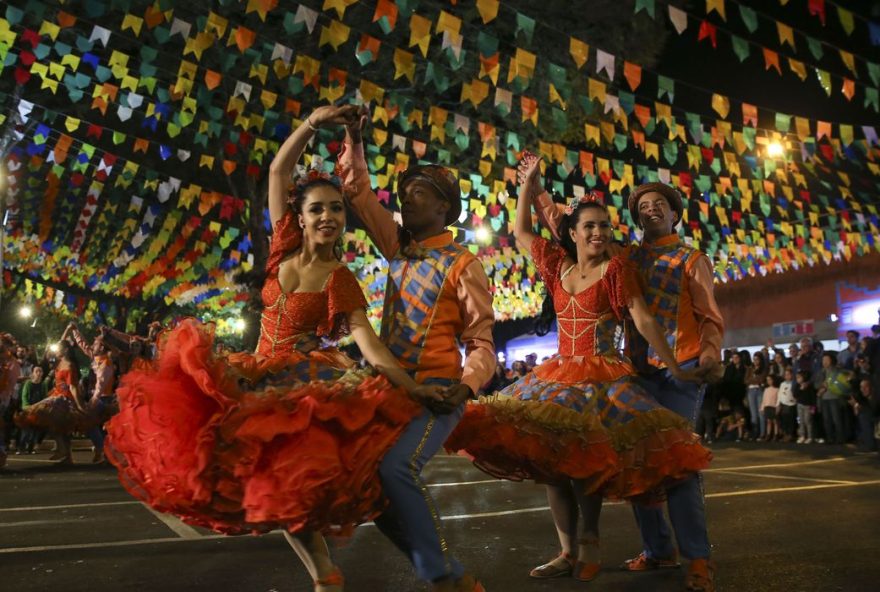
(281, 169)
(383, 360)
(73, 331)
(359, 194)
(530, 176)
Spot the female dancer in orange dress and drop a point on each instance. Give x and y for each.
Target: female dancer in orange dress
(579, 422)
(61, 413)
(288, 437)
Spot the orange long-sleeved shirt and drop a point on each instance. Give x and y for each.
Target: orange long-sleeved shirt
(463, 309)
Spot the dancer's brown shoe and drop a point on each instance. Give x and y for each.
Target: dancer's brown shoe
(701, 576)
(586, 571)
(562, 565)
(645, 563)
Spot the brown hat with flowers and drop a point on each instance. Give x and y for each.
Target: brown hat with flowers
(670, 193)
(441, 179)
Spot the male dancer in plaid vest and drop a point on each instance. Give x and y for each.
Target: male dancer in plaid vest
(437, 297)
(678, 284)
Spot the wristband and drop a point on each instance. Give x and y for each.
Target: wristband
(311, 127)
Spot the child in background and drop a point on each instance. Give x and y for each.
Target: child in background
(805, 394)
(768, 403)
(730, 426)
(787, 407)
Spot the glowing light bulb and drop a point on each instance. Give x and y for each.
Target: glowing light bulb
(239, 324)
(483, 235)
(775, 150)
(25, 312)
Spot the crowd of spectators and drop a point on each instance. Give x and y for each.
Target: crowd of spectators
(803, 394)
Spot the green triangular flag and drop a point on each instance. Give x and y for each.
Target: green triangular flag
(815, 47)
(740, 47)
(874, 73)
(846, 20)
(646, 5)
(749, 18)
(526, 26)
(783, 122)
(872, 98)
(667, 86)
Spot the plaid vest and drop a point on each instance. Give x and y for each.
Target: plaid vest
(662, 268)
(413, 290)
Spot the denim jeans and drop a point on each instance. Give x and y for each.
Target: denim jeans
(685, 499)
(412, 521)
(805, 421)
(756, 412)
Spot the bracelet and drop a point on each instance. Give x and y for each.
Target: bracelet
(311, 127)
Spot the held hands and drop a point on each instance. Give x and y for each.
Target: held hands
(711, 371)
(452, 398)
(330, 115)
(427, 394)
(356, 128)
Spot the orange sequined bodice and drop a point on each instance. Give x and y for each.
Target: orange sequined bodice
(590, 322)
(297, 321)
(64, 378)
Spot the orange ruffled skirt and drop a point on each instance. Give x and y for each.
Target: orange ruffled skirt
(244, 444)
(582, 419)
(57, 414)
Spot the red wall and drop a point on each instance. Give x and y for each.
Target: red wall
(804, 294)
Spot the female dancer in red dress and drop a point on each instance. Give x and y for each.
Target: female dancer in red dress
(61, 413)
(578, 422)
(288, 437)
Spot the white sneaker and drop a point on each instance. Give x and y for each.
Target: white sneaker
(801, 440)
(810, 441)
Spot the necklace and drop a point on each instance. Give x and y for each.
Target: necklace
(587, 274)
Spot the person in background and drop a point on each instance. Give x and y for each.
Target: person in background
(756, 381)
(32, 392)
(499, 379)
(779, 363)
(864, 405)
(787, 407)
(833, 395)
(518, 370)
(531, 361)
(733, 385)
(769, 401)
(805, 395)
(731, 427)
(846, 359)
(793, 353)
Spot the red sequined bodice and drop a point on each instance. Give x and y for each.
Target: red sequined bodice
(297, 321)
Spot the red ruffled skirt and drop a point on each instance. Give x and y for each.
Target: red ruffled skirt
(585, 420)
(245, 444)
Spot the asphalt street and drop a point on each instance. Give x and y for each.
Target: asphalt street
(782, 518)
